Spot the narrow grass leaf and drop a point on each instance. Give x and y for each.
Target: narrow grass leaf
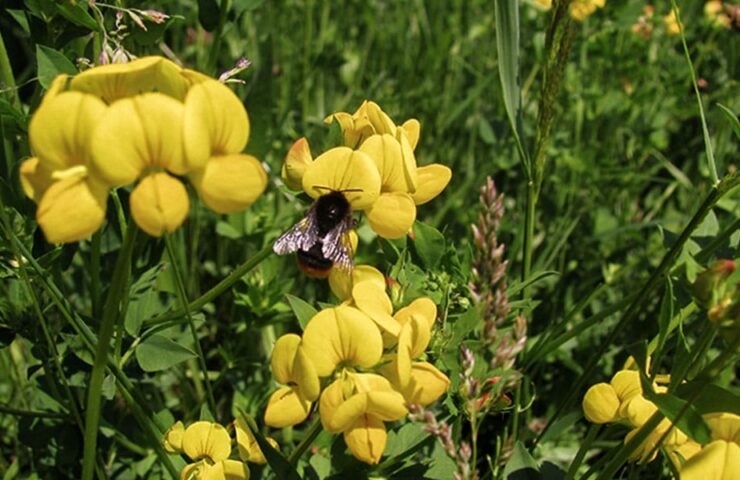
(160, 353)
(303, 310)
(51, 63)
(711, 398)
(521, 466)
(507, 47)
(732, 118)
(683, 415)
(77, 14)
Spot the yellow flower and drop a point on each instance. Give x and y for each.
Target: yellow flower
(173, 438)
(291, 366)
(249, 449)
(600, 404)
(581, 9)
(543, 4)
(342, 336)
(209, 445)
(671, 24)
(341, 282)
(715, 13)
(296, 161)
(72, 200)
(368, 120)
(357, 405)
(719, 459)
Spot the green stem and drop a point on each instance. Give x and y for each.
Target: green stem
(217, 35)
(217, 290)
(593, 430)
(95, 274)
(310, 436)
(184, 302)
(529, 234)
(32, 413)
(645, 291)
(6, 75)
(118, 288)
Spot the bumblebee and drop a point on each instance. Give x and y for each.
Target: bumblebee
(321, 239)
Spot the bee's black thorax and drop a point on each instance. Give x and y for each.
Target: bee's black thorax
(331, 209)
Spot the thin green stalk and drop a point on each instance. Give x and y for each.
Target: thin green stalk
(150, 424)
(623, 453)
(529, 234)
(218, 289)
(7, 79)
(184, 302)
(593, 430)
(120, 214)
(118, 288)
(717, 242)
(645, 291)
(702, 116)
(95, 290)
(31, 413)
(308, 439)
(217, 36)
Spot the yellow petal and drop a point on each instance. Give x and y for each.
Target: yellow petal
(366, 439)
(626, 384)
(343, 169)
(296, 161)
(286, 408)
(410, 171)
(392, 215)
(215, 123)
(427, 384)
(330, 400)
(379, 120)
(230, 183)
(305, 376)
(172, 440)
(35, 178)
(412, 128)
(423, 308)
(138, 133)
(724, 426)
(224, 470)
(71, 209)
(371, 299)
(384, 405)
(412, 342)
(120, 80)
(342, 334)
(718, 460)
(341, 283)
(159, 204)
(235, 470)
(249, 449)
(642, 453)
(206, 439)
(680, 454)
(60, 130)
(385, 151)
(600, 404)
(58, 85)
(283, 355)
(193, 76)
(432, 179)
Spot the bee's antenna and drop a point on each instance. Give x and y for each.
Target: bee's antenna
(351, 190)
(321, 187)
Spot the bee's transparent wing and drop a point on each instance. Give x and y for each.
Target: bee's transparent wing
(337, 246)
(301, 236)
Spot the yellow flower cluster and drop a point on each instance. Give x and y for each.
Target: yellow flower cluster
(146, 122)
(717, 15)
(621, 400)
(209, 445)
(372, 356)
(582, 9)
(376, 169)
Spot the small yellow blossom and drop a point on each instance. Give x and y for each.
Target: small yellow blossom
(357, 404)
(292, 367)
(208, 444)
(249, 449)
(582, 9)
(715, 12)
(671, 24)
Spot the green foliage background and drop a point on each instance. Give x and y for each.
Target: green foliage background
(626, 171)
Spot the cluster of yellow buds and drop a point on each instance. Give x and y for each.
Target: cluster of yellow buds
(582, 9)
(376, 167)
(148, 122)
(622, 401)
(209, 446)
(371, 358)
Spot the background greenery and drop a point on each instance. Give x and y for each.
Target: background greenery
(626, 170)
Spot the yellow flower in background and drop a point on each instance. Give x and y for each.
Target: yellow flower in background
(249, 449)
(543, 4)
(357, 404)
(292, 367)
(582, 9)
(671, 24)
(147, 121)
(208, 444)
(719, 459)
(715, 12)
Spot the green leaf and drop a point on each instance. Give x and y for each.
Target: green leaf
(732, 119)
(20, 17)
(76, 14)
(507, 48)
(429, 244)
(521, 466)
(209, 15)
(712, 398)
(303, 310)
(160, 353)
(690, 422)
(406, 438)
(51, 63)
(664, 317)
